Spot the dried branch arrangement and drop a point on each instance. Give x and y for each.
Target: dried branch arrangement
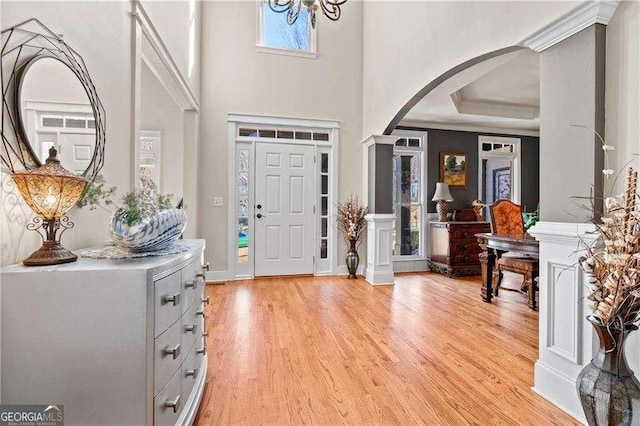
(613, 262)
(351, 221)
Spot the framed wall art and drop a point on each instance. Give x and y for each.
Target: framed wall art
(453, 169)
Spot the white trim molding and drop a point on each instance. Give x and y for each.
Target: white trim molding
(566, 340)
(583, 16)
(380, 140)
(379, 269)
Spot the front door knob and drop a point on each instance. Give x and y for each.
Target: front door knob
(258, 215)
(259, 206)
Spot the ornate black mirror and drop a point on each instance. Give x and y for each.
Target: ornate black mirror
(48, 100)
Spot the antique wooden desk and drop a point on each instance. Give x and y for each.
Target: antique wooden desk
(493, 247)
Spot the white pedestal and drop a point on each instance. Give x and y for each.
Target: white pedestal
(566, 339)
(379, 265)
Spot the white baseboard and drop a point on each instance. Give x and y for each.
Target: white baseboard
(217, 276)
(565, 395)
(380, 277)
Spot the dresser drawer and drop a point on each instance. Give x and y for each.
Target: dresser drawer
(168, 301)
(190, 285)
(191, 327)
(168, 404)
(464, 259)
(167, 355)
(465, 247)
(189, 373)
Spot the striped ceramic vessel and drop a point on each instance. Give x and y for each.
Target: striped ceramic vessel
(159, 233)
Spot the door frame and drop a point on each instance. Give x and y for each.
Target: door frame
(329, 266)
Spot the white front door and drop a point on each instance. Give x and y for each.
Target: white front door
(284, 204)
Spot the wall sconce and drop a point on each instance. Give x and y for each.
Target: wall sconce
(50, 191)
(442, 196)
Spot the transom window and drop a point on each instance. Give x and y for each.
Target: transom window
(275, 35)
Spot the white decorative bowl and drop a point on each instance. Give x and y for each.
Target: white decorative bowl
(158, 233)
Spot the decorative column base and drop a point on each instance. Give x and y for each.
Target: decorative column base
(566, 338)
(379, 264)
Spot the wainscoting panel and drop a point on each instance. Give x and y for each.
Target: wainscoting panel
(564, 328)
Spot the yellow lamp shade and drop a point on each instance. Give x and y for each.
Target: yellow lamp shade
(50, 191)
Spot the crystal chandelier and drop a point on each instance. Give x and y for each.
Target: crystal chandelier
(330, 8)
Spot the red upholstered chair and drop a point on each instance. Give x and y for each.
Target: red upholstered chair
(507, 221)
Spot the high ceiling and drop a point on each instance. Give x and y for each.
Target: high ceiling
(501, 95)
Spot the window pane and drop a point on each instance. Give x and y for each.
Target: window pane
(75, 123)
(303, 136)
(91, 124)
(325, 206)
(325, 163)
(401, 142)
(323, 249)
(323, 232)
(277, 33)
(321, 137)
(409, 230)
(415, 142)
(325, 184)
(248, 132)
(496, 179)
(52, 122)
(243, 206)
(243, 240)
(406, 179)
(285, 134)
(267, 133)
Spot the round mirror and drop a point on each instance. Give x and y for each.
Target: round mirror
(54, 110)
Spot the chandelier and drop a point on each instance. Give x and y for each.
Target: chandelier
(330, 8)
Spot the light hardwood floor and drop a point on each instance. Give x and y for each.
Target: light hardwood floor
(335, 351)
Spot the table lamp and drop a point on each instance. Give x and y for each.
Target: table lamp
(442, 196)
(50, 191)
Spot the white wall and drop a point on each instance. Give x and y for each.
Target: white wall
(159, 112)
(238, 79)
(622, 96)
(409, 44)
(178, 23)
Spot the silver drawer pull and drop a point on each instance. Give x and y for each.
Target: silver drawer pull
(191, 373)
(205, 300)
(200, 312)
(201, 275)
(191, 328)
(205, 334)
(202, 351)
(205, 267)
(175, 404)
(193, 284)
(175, 299)
(175, 351)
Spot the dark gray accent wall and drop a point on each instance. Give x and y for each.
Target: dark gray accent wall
(467, 142)
(380, 174)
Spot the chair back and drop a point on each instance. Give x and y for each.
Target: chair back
(506, 219)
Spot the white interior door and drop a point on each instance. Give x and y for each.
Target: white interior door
(284, 204)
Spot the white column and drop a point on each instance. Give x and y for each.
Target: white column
(566, 339)
(378, 166)
(379, 265)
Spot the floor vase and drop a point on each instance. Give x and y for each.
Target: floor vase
(352, 259)
(609, 391)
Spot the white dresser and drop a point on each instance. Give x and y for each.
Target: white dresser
(117, 342)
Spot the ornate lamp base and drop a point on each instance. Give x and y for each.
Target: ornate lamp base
(442, 207)
(51, 253)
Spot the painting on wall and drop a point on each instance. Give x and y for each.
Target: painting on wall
(502, 183)
(453, 169)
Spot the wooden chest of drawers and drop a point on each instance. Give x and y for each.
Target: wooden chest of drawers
(114, 341)
(454, 248)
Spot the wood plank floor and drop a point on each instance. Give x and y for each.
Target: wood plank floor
(335, 351)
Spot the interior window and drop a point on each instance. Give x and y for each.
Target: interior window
(407, 202)
(277, 33)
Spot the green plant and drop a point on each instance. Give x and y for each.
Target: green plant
(138, 205)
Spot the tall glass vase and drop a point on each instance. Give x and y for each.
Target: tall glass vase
(609, 391)
(352, 259)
